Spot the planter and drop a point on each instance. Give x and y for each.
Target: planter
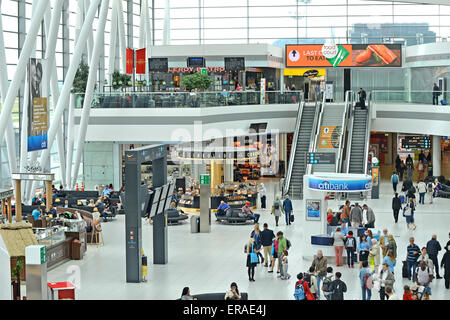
(15, 290)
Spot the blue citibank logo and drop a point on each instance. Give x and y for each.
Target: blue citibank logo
(340, 185)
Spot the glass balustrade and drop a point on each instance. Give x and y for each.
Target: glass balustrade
(418, 97)
(187, 99)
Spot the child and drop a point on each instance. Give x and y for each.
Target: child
(284, 266)
(407, 295)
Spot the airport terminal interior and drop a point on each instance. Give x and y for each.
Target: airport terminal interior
(214, 150)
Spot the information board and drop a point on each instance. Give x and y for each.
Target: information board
(196, 62)
(321, 158)
(234, 63)
(416, 142)
(158, 64)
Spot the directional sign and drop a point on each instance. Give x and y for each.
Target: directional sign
(416, 142)
(321, 158)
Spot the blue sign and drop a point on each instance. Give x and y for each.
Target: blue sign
(333, 185)
(37, 142)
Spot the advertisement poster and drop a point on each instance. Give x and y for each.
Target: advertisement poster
(140, 61)
(313, 210)
(130, 61)
(375, 176)
(329, 137)
(37, 108)
(343, 55)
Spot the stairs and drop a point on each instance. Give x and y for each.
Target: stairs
(357, 160)
(303, 142)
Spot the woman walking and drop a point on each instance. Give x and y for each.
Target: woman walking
(277, 209)
(274, 256)
(262, 192)
(339, 239)
(408, 213)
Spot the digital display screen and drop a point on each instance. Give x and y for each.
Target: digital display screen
(313, 210)
(158, 64)
(234, 63)
(196, 62)
(416, 143)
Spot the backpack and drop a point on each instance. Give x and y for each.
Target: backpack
(394, 178)
(307, 278)
(276, 205)
(288, 244)
(326, 284)
(368, 281)
(299, 292)
(430, 187)
(350, 243)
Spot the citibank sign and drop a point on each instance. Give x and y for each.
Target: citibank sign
(340, 185)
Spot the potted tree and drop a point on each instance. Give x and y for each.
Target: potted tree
(16, 283)
(80, 82)
(197, 81)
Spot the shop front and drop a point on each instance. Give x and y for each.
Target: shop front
(311, 81)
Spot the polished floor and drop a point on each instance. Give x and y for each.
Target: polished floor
(210, 262)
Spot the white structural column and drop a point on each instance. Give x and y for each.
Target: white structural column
(436, 157)
(21, 67)
(65, 92)
(90, 38)
(90, 87)
(113, 40)
(148, 29)
(122, 37)
(70, 140)
(166, 31)
(10, 141)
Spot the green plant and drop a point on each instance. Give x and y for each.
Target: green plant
(18, 268)
(120, 80)
(81, 78)
(197, 81)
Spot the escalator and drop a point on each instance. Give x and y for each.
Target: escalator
(304, 132)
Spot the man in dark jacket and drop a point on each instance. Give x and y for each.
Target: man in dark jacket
(433, 248)
(338, 287)
(396, 206)
(287, 208)
(445, 263)
(362, 98)
(267, 237)
(436, 94)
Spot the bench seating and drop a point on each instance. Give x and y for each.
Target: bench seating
(234, 218)
(216, 296)
(174, 216)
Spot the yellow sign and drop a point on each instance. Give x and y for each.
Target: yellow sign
(329, 137)
(40, 115)
(305, 72)
(375, 175)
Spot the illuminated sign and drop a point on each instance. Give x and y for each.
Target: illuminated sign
(192, 69)
(333, 185)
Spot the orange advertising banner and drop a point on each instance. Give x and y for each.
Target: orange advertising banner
(343, 55)
(140, 61)
(329, 137)
(130, 61)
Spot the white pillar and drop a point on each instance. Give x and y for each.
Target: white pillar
(166, 32)
(21, 67)
(90, 38)
(90, 87)
(70, 140)
(436, 158)
(122, 36)
(65, 92)
(117, 165)
(113, 39)
(228, 170)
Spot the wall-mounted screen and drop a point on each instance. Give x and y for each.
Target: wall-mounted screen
(158, 64)
(196, 62)
(234, 63)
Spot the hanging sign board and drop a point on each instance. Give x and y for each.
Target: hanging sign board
(140, 61)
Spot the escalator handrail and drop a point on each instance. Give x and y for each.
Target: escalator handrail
(287, 181)
(367, 136)
(315, 133)
(350, 133)
(341, 138)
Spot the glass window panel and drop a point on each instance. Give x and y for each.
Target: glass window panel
(273, 33)
(228, 3)
(271, 3)
(369, 10)
(322, 11)
(225, 33)
(275, 22)
(11, 39)
(225, 12)
(320, 22)
(184, 13)
(413, 9)
(273, 11)
(9, 7)
(187, 23)
(9, 23)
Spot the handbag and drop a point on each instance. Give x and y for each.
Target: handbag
(253, 257)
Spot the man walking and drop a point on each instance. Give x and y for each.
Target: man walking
(338, 287)
(267, 237)
(433, 248)
(287, 207)
(320, 268)
(396, 206)
(413, 253)
(282, 245)
(362, 98)
(394, 180)
(436, 94)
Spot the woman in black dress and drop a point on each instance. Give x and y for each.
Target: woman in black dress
(251, 265)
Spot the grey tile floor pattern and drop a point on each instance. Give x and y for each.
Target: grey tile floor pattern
(210, 262)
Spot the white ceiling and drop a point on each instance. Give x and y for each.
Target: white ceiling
(445, 2)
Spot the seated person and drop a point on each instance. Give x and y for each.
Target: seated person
(66, 204)
(222, 209)
(36, 200)
(247, 212)
(36, 214)
(54, 191)
(52, 210)
(100, 206)
(106, 191)
(107, 202)
(91, 203)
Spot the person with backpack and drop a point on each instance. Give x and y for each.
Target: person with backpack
(430, 191)
(350, 246)
(394, 181)
(365, 277)
(423, 277)
(301, 288)
(320, 268)
(408, 213)
(387, 280)
(422, 189)
(338, 287)
(277, 209)
(287, 208)
(326, 284)
(338, 243)
(396, 206)
(284, 266)
(312, 281)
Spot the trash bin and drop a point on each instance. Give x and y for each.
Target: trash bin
(61, 290)
(76, 250)
(195, 224)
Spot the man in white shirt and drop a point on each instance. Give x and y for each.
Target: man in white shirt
(422, 188)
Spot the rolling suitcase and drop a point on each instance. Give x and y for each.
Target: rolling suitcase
(291, 218)
(405, 269)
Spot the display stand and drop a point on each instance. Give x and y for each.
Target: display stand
(5, 196)
(36, 270)
(205, 203)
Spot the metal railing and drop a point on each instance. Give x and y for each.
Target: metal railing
(316, 129)
(287, 181)
(403, 96)
(351, 94)
(188, 99)
(343, 130)
(367, 136)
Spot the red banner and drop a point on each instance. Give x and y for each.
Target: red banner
(130, 64)
(140, 61)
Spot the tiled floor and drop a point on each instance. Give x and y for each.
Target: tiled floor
(210, 262)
